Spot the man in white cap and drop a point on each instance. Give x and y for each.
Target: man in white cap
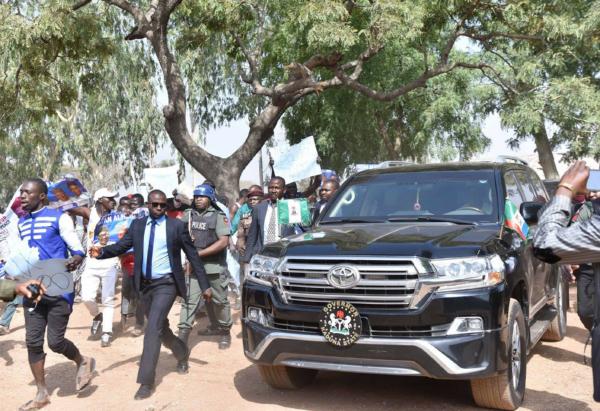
(99, 272)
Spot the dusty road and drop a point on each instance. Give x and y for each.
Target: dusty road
(225, 380)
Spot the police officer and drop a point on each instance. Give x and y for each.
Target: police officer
(209, 229)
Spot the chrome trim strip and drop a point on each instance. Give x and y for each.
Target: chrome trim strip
(352, 297)
(442, 360)
(362, 369)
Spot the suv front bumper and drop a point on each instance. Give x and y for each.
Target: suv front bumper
(390, 356)
(462, 356)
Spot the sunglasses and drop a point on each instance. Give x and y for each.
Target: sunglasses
(158, 205)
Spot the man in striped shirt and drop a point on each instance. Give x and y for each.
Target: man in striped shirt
(558, 242)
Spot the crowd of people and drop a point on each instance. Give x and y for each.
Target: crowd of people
(196, 249)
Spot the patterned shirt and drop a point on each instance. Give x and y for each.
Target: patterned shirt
(556, 241)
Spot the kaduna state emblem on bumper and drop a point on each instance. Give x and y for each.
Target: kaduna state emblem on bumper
(340, 323)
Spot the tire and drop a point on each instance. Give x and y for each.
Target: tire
(502, 391)
(558, 326)
(286, 378)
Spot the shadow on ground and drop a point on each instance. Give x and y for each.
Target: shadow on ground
(6, 346)
(379, 391)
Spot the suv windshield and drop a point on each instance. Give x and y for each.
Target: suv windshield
(453, 196)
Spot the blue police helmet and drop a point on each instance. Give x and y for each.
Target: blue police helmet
(204, 190)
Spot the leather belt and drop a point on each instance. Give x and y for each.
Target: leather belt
(145, 282)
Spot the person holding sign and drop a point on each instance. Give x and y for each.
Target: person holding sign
(99, 273)
(53, 234)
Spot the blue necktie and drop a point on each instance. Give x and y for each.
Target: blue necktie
(150, 249)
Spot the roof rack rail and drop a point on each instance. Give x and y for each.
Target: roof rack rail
(511, 159)
(393, 163)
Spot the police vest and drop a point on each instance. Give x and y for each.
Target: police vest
(203, 229)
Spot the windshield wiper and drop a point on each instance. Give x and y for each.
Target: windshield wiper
(349, 220)
(432, 219)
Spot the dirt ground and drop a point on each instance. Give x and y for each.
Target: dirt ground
(557, 378)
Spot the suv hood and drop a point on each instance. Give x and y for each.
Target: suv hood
(427, 240)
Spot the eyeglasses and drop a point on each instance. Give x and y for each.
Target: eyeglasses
(158, 205)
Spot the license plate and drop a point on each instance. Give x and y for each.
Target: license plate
(340, 323)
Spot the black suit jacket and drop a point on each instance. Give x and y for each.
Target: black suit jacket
(178, 238)
(316, 212)
(255, 238)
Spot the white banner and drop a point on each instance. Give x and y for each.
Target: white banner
(164, 179)
(296, 162)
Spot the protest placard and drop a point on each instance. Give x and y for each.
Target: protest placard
(111, 228)
(67, 193)
(296, 162)
(53, 274)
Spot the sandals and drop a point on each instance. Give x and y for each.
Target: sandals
(34, 405)
(85, 373)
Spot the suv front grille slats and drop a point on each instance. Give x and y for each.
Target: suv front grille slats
(384, 282)
(380, 331)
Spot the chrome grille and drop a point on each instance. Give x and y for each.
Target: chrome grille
(384, 282)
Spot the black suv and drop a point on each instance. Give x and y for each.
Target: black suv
(411, 271)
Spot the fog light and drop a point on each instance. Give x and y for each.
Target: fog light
(466, 325)
(257, 315)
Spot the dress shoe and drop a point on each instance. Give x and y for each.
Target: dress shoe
(183, 365)
(145, 391)
(224, 340)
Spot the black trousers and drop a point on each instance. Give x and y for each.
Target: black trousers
(585, 295)
(158, 298)
(596, 341)
(52, 313)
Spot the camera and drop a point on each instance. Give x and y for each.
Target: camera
(34, 289)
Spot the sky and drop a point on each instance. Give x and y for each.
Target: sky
(225, 140)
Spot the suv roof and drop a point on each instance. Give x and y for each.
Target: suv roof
(454, 166)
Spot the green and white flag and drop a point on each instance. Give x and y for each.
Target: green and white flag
(294, 211)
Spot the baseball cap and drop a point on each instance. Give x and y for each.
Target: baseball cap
(104, 192)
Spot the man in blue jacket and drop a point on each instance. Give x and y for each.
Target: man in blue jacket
(52, 232)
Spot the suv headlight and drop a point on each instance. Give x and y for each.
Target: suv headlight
(263, 269)
(469, 272)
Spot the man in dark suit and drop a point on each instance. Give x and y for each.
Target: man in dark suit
(265, 227)
(158, 275)
(326, 192)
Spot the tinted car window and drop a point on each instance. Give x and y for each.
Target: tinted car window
(526, 186)
(512, 189)
(539, 187)
(468, 195)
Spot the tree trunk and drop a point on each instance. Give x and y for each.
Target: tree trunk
(224, 172)
(545, 155)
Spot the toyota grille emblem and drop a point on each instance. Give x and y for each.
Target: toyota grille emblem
(343, 276)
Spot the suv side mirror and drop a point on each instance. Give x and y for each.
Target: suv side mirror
(529, 210)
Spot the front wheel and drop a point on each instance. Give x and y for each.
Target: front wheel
(506, 390)
(286, 378)
(558, 326)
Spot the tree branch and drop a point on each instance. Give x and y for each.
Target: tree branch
(251, 78)
(492, 35)
(80, 4)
